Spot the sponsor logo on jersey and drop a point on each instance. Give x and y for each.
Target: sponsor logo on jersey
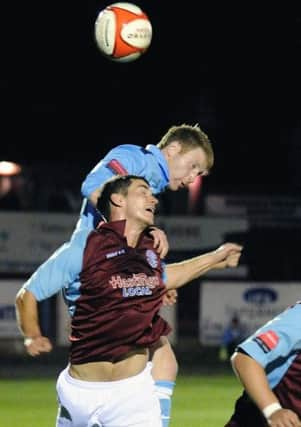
(151, 258)
(138, 291)
(267, 340)
(136, 285)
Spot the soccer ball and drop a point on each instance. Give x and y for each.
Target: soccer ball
(123, 32)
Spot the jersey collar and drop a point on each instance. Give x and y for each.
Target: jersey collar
(119, 228)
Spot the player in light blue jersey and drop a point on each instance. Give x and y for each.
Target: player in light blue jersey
(182, 154)
(268, 364)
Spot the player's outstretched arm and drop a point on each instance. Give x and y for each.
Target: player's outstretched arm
(180, 273)
(28, 322)
(253, 377)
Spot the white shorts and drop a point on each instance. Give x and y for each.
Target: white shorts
(126, 403)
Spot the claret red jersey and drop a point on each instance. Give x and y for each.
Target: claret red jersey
(121, 291)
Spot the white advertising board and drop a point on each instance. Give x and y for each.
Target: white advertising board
(8, 324)
(253, 302)
(194, 233)
(28, 239)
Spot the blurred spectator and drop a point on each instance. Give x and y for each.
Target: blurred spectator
(233, 334)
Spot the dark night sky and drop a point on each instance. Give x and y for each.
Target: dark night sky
(235, 71)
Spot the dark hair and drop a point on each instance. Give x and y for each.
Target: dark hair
(118, 184)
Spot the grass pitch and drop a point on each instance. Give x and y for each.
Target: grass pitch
(198, 401)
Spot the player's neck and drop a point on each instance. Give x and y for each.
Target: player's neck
(132, 233)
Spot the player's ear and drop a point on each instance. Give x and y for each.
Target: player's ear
(173, 148)
(117, 200)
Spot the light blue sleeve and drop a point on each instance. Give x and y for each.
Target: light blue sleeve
(130, 157)
(276, 339)
(164, 274)
(61, 269)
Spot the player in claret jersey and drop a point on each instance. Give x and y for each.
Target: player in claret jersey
(183, 153)
(116, 319)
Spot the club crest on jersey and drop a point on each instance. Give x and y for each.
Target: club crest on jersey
(151, 258)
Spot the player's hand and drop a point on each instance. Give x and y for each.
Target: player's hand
(232, 260)
(160, 241)
(36, 346)
(284, 418)
(229, 255)
(228, 248)
(170, 297)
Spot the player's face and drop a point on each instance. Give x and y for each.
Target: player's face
(185, 167)
(140, 203)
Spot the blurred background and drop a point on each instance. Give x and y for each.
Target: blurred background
(234, 70)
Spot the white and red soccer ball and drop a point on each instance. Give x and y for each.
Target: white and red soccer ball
(123, 32)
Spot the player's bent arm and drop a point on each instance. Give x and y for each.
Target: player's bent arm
(27, 313)
(61, 269)
(180, 273)
(28, 323)
(253, 377)
(94, 181)
(121, 160)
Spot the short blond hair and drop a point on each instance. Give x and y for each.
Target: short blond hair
(189, 137)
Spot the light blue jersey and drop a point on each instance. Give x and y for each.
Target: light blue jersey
(147, 162)
(61, 270)
(275, 345)
(124, 159)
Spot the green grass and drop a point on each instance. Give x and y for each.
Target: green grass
(198, 401)
(27, 403)
(204, 401)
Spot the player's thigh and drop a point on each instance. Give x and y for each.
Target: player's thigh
(165, 365)
(76, 401)
(133, 403)
(144, 408)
